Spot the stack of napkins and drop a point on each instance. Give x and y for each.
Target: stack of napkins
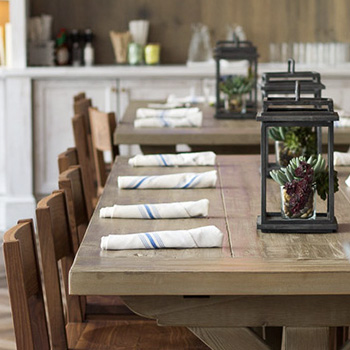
(158, 211)
(175, 181)
(201, 237)
(181, 159)
(168, 118)
(342, 158)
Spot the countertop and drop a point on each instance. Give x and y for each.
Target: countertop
(163, 71)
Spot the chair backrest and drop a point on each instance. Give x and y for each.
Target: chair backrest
(85, 159)
(67, 159)
(24, 284)
(79, 96)
(81, 106)
(56, 247)
(102, 126)
(71, 182)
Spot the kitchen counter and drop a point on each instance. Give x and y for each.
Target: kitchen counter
(164, 71)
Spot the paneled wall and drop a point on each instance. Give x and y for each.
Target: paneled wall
(264, 21)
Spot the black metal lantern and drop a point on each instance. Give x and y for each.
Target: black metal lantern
(282, 84)
(303, 112)
(241, 97)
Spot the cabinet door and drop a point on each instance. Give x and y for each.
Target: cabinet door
(53, 111)
(156, 89)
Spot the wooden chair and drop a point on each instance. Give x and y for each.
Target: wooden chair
(67, 159)
(79, 96)
(85, 159)
(81, 107)
(95, 307)
(55, 245)
(102, 126)
(71, 182)
(24, 284)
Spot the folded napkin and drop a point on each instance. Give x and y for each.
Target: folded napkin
(164, 105)
(142, 113)
(201, 237)
(347, 181)
(181, 159)
(181, 180)
(189, 100)
(190, 121)
(342, 158)
(157, 211)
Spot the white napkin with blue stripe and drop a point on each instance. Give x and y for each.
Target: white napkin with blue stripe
(190, 121)
(341, 158)
(181, 159)
(158, 211)
(175, 181)
(201, 237)
(347, 181)
(142, 113)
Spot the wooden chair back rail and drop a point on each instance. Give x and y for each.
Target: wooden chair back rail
(85, 159)
(79, 96)
(56, 246)
(82, 107)
(102, 126)
(71, 182)
(23, 277)
(67, 158)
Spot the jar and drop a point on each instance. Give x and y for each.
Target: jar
(135, 54)
(152, 54)
(300, 209)
(284, 154)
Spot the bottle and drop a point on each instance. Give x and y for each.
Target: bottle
(76, 52)
(89, 54)
(62, 52)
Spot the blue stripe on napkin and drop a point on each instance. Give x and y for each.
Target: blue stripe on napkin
(190, 182)
(162, 158)
(149, 211)
(152, 241)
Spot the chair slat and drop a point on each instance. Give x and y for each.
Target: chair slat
(23, 277)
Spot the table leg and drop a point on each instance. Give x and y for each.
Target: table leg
(308, 338)
(219, 338)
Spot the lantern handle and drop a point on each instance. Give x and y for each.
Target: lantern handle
(236, 39)
(297, 90)
(291, 65)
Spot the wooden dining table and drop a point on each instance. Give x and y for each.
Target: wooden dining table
(223, 136)
(298, 281)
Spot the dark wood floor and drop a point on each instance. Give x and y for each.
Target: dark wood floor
(7, 338)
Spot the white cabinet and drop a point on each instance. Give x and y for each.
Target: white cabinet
(53, 110)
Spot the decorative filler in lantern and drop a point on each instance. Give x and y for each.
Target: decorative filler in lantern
(236, 95)
(301, 176)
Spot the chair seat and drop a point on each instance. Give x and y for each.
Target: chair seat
(107, 307)
(130, 335)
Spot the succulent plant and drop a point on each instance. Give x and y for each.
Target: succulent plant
(301, 173)
(300, 140)
(236, 85)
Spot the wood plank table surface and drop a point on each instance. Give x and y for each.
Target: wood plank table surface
(300, 281)
(221, 136)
